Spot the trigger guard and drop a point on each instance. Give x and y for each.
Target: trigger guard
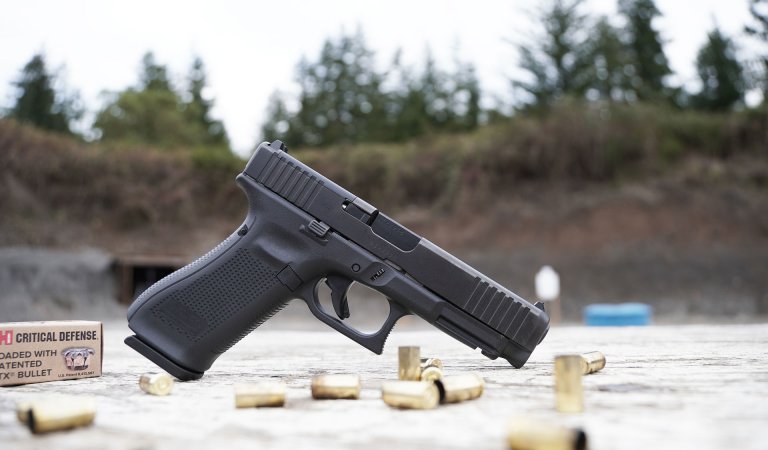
(372, 341)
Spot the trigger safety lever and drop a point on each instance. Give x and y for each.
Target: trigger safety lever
(339, 286)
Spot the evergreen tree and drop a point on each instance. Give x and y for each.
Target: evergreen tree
(609, 61)
(466, 98)
(406, 104)
(277, 125)
(556, 59)
(37, 101)
(344, 99)
(759, 29)
(198, 107)
(153, 76)
(721, 74)
(341, 98)
(151, 113)
(649, 62)
(436, 94)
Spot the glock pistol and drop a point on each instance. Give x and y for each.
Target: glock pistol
(302, 230)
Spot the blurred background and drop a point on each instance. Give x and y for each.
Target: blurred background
(622, 142)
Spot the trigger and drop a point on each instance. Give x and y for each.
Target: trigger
(339, 286)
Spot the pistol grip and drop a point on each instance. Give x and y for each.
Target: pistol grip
(372, 341)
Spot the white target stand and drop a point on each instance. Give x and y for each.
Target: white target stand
(548, 291)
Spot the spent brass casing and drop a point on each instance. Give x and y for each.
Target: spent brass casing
(409, 363)
(526, 434)
(591, 362)
(458, 388)
(60, 414)
(408, 394)
(156, 383)
(569, 395)
(432, 374)
(431, 362)
(22, 411)
(255, 395)
(336, 387)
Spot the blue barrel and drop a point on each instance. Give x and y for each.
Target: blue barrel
(618, 315)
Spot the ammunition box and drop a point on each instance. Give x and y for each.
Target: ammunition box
(156, 383)
(410, 394)
(432, 374)
(409, 363)
(60, 414)
(336, 387)
(458, 388)
(591, 362)
(526, 434)
(33, 352)
(256, 395)
(569, 395)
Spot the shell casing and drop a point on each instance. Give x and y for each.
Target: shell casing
(406, 394)
(409, 363)
(255, 395)
(569, 395)
(591, 362)
(336, 387)
(22, 411)
(458, 388)
(156, 383)
(60, 414)
(526, 434)
(431, 362)
(432, 374)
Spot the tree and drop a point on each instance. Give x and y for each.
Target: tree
(151, 113)
(341, 98)
(759, 29)
(153, 76)
(198, 107)
(649, 66)
(721, 74)
(466, 98)
(37, 101)
(434, 100)
(277, 125)
(555, 59)
(154, 113)
(608, 80)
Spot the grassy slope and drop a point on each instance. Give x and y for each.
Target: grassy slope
(630, 203)
(582, 176)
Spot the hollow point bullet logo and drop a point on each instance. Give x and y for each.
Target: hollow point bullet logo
(77, 358)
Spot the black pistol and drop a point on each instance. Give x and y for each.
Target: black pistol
(302, 230)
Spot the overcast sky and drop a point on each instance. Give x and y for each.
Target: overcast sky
(251, 47)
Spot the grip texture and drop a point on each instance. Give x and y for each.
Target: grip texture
(213, 298)
(198, 312)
